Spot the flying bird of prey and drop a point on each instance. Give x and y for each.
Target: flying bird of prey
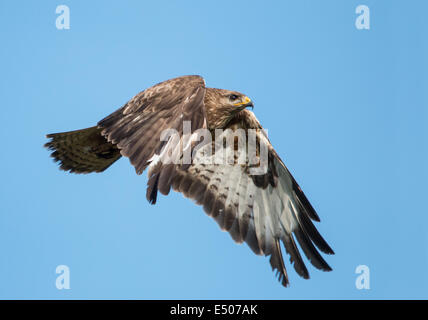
(264, 210)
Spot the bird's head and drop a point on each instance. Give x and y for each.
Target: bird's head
(222, 105)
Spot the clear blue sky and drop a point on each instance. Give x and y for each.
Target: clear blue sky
(346, 109)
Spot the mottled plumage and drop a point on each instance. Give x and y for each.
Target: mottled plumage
(262, 210)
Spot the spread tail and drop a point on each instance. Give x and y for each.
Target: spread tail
(82, 151)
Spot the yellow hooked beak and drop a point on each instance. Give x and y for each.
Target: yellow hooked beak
(246, 102)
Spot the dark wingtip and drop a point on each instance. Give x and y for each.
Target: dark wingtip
(152, 188)
(303, 200)
(277, 264)
(295, 257)
(310, 251)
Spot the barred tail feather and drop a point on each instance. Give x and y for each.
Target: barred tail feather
(82, 151)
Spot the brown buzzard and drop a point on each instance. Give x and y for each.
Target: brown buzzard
(261, 209)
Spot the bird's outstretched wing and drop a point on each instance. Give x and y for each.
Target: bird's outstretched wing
(262, 210)
(136, 127)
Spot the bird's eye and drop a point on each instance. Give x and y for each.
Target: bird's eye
(233, 97)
